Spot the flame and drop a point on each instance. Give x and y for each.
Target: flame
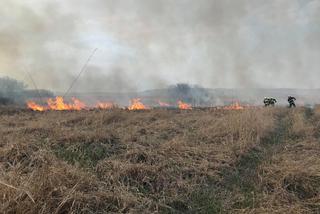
(162, 104)
(184, 106)
(58, 104)
(78, 104)
(102, 105)
(136, 104)
(234, 106)
(32, 105)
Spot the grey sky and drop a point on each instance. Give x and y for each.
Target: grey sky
(146, 44)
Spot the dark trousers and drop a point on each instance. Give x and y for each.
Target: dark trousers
(292, 105)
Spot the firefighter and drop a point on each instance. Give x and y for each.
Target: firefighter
(266, 101)
(291, 101)
(269, 101)
(272, 101)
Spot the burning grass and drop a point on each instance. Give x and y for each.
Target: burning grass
(166, 161)
(59, 104)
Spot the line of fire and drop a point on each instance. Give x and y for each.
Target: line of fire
(59, 104)
(177, 98)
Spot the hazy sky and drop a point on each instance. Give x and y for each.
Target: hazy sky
(146, 44)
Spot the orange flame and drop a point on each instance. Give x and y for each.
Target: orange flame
(57, 104)
(162, 104)
(136, 104)
(78, 104)
(184, 106)
(32, 105)
(102, 105)
(235, 106)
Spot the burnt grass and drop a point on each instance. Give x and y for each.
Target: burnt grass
(262, 160)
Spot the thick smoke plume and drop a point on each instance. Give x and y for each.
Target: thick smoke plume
(147, 44)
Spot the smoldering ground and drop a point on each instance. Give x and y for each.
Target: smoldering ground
(152, 44)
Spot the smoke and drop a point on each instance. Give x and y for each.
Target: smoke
(147, 44)
(16, 92)
(195, 95)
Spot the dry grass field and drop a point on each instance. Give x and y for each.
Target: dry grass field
(160, 161)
